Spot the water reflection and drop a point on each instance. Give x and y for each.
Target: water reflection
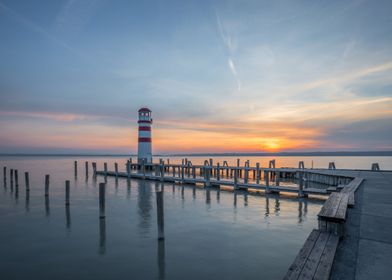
(161, 259)
(245, 199)
(47, 206)
(68, 218)
(267, 209)
(27, 201)
(277, 206)
(194, 192)
(102, 236)
(235, 199)
(218, 195)
(300, 212)
(208, 197)
(144, 206)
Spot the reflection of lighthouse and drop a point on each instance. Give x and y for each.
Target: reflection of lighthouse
(144, 142)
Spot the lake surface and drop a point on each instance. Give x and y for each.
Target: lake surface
(209, 233)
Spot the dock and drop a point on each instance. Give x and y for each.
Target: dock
(354, 235)
(300, 181)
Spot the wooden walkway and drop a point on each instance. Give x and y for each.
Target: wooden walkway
(354, 235)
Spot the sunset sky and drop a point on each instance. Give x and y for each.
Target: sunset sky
(219, 76)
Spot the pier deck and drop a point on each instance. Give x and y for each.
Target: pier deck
(365, 247)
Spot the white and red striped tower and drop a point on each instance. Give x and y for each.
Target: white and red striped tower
(144, 141)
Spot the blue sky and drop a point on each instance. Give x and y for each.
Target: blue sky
(218, 75)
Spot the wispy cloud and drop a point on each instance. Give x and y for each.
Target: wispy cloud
(231, 47)
(38, 29)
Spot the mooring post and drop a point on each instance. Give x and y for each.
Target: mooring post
(67, 193)
(105, 169)
(16, 179)
(102, 200)
(12, 177)
(246, 175)
(47, 185)
(277, 178)
(116, 169)
(160, 215)
(182, 173)
(5, 175)
(235, 179)
(218, 171)
(128, 169)
(301, 185)
(27, 181)
(162, 170)
(257, 173)
(76, 168)
(266, 179)
(94, 168)
(86, 164)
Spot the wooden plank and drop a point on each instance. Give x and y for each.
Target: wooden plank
(324, 268)
(330, 207)
(311, 264)
(341, 212)
(299, 262)
(351, 200)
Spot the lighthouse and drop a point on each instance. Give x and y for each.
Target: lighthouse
(144, 137)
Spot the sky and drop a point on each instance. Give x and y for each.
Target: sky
(219, 76)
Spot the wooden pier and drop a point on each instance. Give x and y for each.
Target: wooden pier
(246, 177)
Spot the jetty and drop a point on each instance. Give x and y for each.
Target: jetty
(353, 239)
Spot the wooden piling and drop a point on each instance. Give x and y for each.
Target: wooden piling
(128, 169)
(257, 173)
(266, 179)
(218, 171)
(94, 168)
(102, 200)
(12, 177)
(16, 179)
(105, 169)
(116, 169)
(160, 215)
(27, 181)
(47, 185)
(86, 164)
(76, 168)
(235, 178)
(5, 175)
(67, 193)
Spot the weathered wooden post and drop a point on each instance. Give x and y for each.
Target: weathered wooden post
(331, 165)
(301, 165)
(162, 169)
(207, 175)
(257, 173)
(160, 215)
(375, 167)
(12, 178)
(102, 200)
(94, 168)
(67, 193)
(301, 185)
(266, 179)
(194, 172)
(277, 179)
(5, 175)
(128, 169)
(218, 171)
(76, 168)
(47, 185)
(86, 164)
(235, 179)
(105, 169)
(16, 179)
(182, 172)
(246, 175)
(116, 169)
(27, 181)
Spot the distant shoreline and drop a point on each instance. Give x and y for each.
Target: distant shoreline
(281, 154)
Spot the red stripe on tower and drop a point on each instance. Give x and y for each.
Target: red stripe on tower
(144, 128)
(144, 139)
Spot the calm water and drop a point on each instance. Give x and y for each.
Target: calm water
(209, 233)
